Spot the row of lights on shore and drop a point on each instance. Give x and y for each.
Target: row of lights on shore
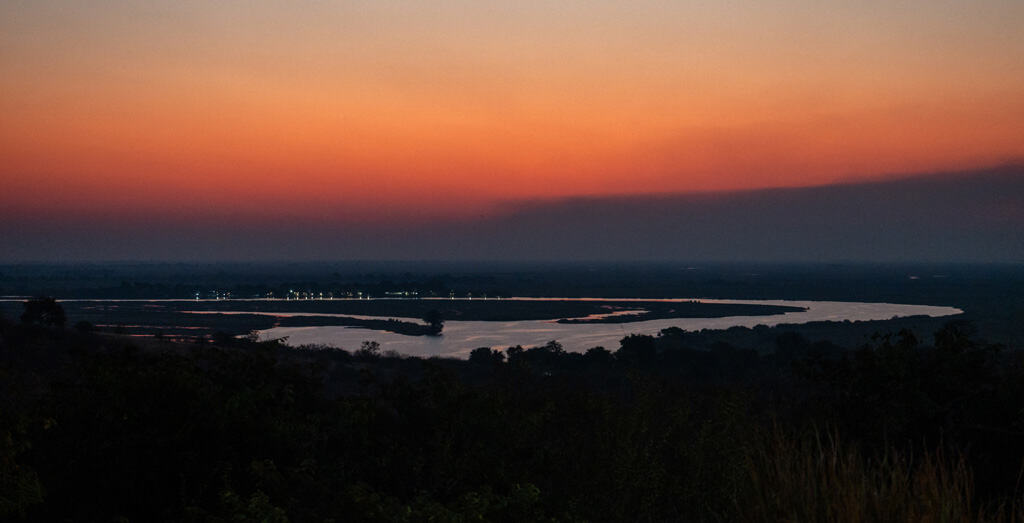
(292, 295)
(312, 295)
(214, 295)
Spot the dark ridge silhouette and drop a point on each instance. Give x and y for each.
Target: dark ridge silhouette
(969, 216)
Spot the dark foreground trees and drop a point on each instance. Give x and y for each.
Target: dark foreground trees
(100, 428)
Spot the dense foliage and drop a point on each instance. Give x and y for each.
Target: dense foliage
(97, 427)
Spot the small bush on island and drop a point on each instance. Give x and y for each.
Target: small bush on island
(435, 320)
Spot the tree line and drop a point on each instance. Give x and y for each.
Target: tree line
(102, 427)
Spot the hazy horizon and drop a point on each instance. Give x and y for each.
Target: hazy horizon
(972, 217)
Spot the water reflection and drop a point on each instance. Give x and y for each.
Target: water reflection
(461, 337)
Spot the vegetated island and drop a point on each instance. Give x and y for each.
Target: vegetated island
(686, 309)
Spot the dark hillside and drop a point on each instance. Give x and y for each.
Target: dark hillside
(101, 427)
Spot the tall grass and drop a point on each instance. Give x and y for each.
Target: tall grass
(821, 478)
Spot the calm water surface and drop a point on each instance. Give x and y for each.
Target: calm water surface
(461, 337)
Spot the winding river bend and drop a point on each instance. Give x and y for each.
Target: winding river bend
(461, 337)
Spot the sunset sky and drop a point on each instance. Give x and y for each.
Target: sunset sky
(381, 112)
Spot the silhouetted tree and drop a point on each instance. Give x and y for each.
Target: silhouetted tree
(955, 336)
(637, 349)
(486, 356)
(515, 354)
(369, 349)
(598, 356)
(554, 347)
(43, 311)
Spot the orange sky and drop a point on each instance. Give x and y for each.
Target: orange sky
(378, 111)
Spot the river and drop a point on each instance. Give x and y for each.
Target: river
(461, 337)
